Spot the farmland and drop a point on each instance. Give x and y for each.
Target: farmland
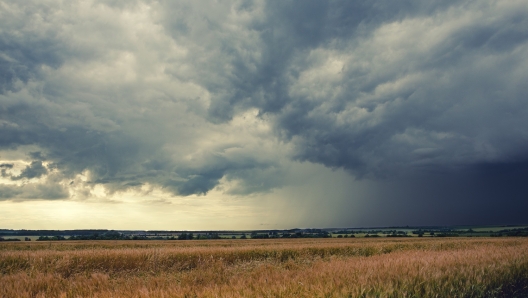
(409, 267)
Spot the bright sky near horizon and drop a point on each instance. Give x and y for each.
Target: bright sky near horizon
(262, 114)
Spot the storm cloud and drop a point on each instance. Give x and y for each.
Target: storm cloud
(192, 97)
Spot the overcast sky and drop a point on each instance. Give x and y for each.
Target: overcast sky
(262, 114)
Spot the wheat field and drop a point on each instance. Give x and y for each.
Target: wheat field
(382, 267)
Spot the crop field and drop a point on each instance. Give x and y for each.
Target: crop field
(345, 267)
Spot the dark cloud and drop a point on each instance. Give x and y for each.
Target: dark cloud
(47, 191)
(35, 170)
(21, 59)
(117, 159)
(286, 34)
(37, 155)
(377, 115)
(23, 50)
(416, 85)
(4, 167)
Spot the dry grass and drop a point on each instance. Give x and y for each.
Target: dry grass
(267, 268)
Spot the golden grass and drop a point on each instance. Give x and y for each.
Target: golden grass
(466, 267)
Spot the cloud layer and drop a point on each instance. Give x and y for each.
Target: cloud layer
(189, 97)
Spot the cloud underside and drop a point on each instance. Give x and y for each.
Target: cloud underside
(189, 97)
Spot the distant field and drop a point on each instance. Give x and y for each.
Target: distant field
(347, 267)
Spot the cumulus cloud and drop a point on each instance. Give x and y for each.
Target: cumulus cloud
(188, 97)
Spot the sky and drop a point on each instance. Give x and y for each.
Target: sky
(189, 115)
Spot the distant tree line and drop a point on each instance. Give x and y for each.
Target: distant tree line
(298, 234)
(49, 232)
(9, 239)
(58, 235)
(114, 235)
